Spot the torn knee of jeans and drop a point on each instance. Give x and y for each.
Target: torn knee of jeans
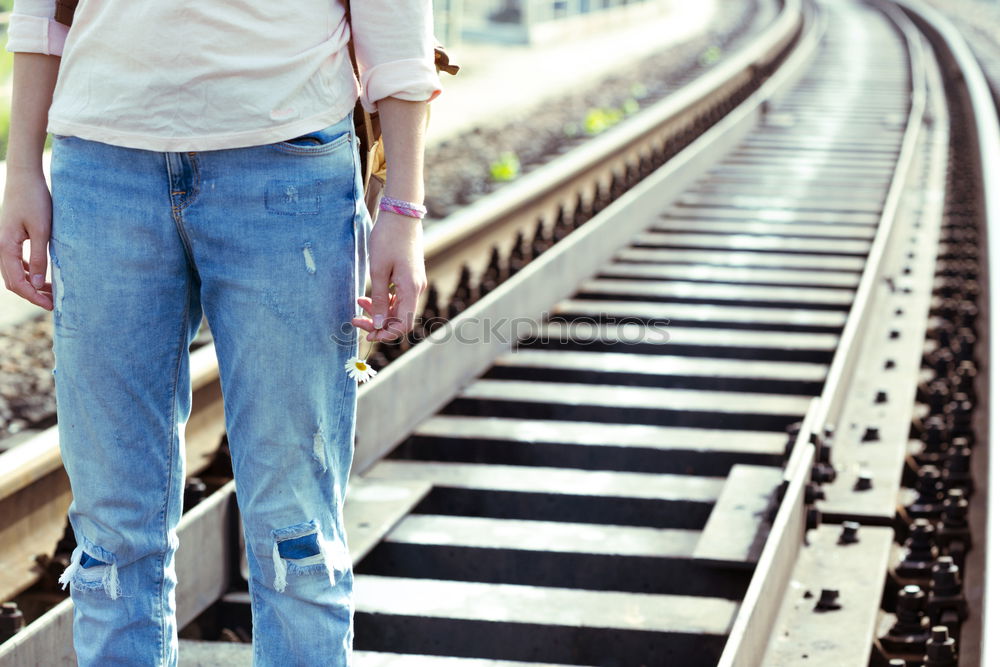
(310, 259)
(319, 449)
(90, 573)
(302, 549)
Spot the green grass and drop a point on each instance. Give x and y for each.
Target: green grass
(6, 66)
(506, 168)
(6, 61)
(4, 128)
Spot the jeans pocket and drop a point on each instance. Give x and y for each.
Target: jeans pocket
(317, 142)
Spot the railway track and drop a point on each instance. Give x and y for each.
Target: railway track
(684, 434)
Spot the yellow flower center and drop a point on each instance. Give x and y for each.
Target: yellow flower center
(360, 365)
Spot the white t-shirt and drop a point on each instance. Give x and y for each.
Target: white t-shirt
(186, 75)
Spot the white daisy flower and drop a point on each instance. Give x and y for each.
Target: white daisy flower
(359, 369)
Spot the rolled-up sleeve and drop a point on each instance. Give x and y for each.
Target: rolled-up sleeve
(33, 28)
(394, 44)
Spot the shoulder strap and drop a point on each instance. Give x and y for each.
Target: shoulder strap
(366, 125)
(65, 10)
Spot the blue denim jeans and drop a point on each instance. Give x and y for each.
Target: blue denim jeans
(270, 243)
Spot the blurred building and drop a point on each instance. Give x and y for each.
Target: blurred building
(534, 21)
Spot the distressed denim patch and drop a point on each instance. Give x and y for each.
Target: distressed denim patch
(293, 197)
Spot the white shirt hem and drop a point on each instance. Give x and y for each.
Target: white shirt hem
(258, 137)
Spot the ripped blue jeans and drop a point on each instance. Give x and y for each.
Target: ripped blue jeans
(270, 244)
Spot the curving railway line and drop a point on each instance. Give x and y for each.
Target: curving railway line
(711, 389)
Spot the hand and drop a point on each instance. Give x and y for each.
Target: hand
(395, 249)
(26, 216)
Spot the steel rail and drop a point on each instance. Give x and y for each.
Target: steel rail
(844, 364)
(985, 132)
(439, 369)
(35, 491)
(755, 619)
(468, 236)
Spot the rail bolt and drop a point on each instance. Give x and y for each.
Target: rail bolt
(935, 439)
(942, 361)
(849, 532)
(940, 650)
(919, 552)
(863, 482)
(828, 600)
(963, 345)
(823, 473)
(814, 492)
(958, 416)
(930, 494)
(946, 594)
(964, 379)
(813, 517)
(967, 313)
(871, 434)
(909, 634)
(11, 620)
(953, 534)
(958, 467)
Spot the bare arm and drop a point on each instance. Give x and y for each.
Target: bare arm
(396, 242)
(27, 206)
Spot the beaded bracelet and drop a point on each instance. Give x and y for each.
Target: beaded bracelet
(402, 207)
